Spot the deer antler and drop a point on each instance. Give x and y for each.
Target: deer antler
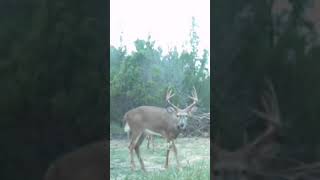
(168, 96)
(194, 97)
(271, 114)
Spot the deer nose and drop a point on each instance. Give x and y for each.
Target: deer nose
(181, 126)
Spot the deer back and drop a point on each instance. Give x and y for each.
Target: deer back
(167, 122)
(156, 119)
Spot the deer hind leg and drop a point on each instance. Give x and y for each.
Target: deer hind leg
(137, 149)
(133, 143)
(169, 146)
(133, 166)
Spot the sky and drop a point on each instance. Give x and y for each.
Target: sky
(167, 21)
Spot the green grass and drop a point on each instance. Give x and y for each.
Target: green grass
(194, 155)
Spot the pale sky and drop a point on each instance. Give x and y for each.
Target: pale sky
(167, 21)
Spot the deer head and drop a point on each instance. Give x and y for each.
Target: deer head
(182, 114)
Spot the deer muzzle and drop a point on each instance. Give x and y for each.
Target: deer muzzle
(182, 124)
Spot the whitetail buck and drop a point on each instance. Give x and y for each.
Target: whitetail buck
(255, 160)
(86, 163)
(165, 122)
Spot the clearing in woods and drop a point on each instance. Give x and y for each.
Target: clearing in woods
(194, 155)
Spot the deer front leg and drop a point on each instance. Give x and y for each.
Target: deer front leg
(176, 154)
(169, 145)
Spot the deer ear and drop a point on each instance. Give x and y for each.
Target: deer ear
(170, 109)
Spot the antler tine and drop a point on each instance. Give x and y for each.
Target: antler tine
(168, 96)
(194, 97)
(271, 114)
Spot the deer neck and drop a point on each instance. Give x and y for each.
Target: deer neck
(172, 133)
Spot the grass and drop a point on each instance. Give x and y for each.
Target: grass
(194, 155)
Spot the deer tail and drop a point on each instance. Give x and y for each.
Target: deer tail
(125, 122)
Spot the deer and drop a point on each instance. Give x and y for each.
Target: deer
(85, 163)
(256, 160)
(164, 122)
